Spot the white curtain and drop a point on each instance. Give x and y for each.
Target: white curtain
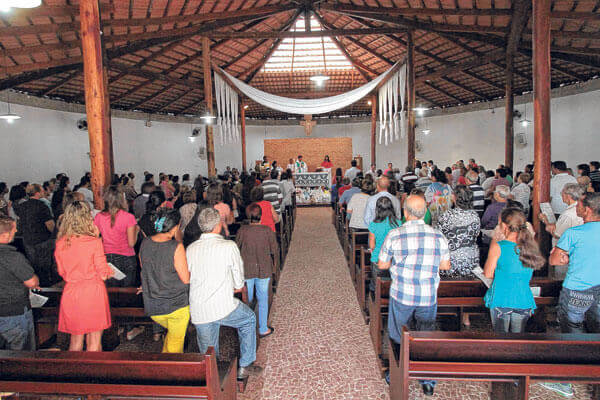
(305, 106)
(391, 102)
(227, 111)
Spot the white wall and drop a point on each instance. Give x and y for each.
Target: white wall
(45, 142)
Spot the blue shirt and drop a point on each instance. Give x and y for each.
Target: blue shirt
(380, 230)
(372, 203)
(347, 195)
(510, 288)
(415, 251)
(581, 242)
(334, 193)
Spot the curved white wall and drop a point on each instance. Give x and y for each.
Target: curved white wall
(45, 142)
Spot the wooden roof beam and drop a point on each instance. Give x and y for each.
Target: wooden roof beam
(129, 92)
(178, 98)
(60, 83)
(289, 34)
(444, 92)
(52, 11)
(154, 76)
(145, 22)
(154, 96)
(521, 9)
(483, 60)
(463, 87)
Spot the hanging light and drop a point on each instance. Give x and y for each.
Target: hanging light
(9, 116)
(319, 79)
(8, 4)
(426, 131)
(208, 118)
(420, 110)
(525, 122)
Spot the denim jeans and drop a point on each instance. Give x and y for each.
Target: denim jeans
(400, 315)
(244, 320)
(573, 305)
(512, 320)
(262, 296)
(18, 331)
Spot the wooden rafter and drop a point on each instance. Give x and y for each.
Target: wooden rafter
(444, 92)
(59, 83)
(154, 96)
(519, 20)
(463, 87)
(129, 92)
(178, 98)
(290, 34)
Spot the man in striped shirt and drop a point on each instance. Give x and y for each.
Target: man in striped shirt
(272, 191)
(595, 171)
(478, 192)
(216, 273)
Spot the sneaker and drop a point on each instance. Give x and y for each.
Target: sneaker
(564, 389)
(132, 334)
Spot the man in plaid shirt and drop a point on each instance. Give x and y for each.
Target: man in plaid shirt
(414, 253)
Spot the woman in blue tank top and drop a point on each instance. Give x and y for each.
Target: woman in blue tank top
(511, 263)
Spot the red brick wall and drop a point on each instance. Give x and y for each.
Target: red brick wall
(313, 151)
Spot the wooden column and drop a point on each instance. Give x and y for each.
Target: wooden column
(97, 106)
(509, 106)
(410, 97)
(243, 128)
(373, 130)
(208, 97)
(541, 109)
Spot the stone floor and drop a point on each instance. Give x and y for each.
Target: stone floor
(321, 347)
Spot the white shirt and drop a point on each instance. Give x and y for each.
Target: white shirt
(300, 167)
(487, 184)
(88, 195)
(356, 207)
(566, 220)
(557, 183)
(216, 269)
(521, 193)
(288, 190)
(351, 173)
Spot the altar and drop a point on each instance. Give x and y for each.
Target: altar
(313, 188)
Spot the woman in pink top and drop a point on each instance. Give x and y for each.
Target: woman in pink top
(214, 197)
(119, 233)
(269, 216)
(166, 186)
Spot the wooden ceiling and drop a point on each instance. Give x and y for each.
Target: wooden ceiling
(153, 48)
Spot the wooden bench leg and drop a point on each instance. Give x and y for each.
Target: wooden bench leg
(510, 390)
(375, 326)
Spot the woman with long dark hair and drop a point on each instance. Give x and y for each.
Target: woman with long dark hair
(385, 220)
(511, 263)
(166, 278)
(155, 202)
(57, 198)
(214, 197)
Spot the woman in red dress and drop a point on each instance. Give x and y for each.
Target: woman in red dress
(269, 216)
(327, 163)
(84, 308)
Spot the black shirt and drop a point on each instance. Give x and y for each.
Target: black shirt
(146, 225)
(14, 270)
(33, 215)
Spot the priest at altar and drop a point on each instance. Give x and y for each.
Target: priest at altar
(300, 166)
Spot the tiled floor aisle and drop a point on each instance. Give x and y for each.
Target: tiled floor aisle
(321, 347)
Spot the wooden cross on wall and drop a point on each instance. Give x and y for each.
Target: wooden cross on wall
(308, 124)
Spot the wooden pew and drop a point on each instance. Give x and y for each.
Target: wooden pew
(94, 375)
(363, 278)
(357, 239)
(125, 307)
(511, 361)
(454, 297)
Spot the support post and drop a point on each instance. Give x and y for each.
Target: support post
(208, 96)
(243, 126)
(97, 106)
(541, 111)
(509, 106)
(410, 96)
(374, 130)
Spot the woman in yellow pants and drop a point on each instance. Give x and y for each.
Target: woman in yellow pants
(166, 278)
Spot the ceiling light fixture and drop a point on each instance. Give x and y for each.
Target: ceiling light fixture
(426, 131)
(525, 122)
(319, 79)
(369, 102)
(208, 118)
(8, 4)
(9, 116)
(245, 106)
(420, 110)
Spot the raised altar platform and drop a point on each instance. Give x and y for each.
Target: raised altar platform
(313, 188)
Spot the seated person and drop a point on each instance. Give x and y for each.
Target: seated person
(490, 216)
(358, 204)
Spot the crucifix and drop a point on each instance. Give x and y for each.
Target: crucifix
(308, 124)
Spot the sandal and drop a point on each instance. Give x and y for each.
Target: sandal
(267, 334)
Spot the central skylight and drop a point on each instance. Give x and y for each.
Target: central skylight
(307, 54)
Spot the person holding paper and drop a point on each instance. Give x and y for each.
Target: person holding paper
(166, 279)
(511, 263)
(16, 278)
(84, 308)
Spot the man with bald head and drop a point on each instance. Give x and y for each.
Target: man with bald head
(383, 184)
(414, 253)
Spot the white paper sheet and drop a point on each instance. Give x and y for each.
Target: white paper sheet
(478, 272)
(37, 300)
(546, 209)
(118, 274)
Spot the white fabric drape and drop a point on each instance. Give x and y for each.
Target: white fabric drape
(391, 102)
(305, 106)
(227, 111)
